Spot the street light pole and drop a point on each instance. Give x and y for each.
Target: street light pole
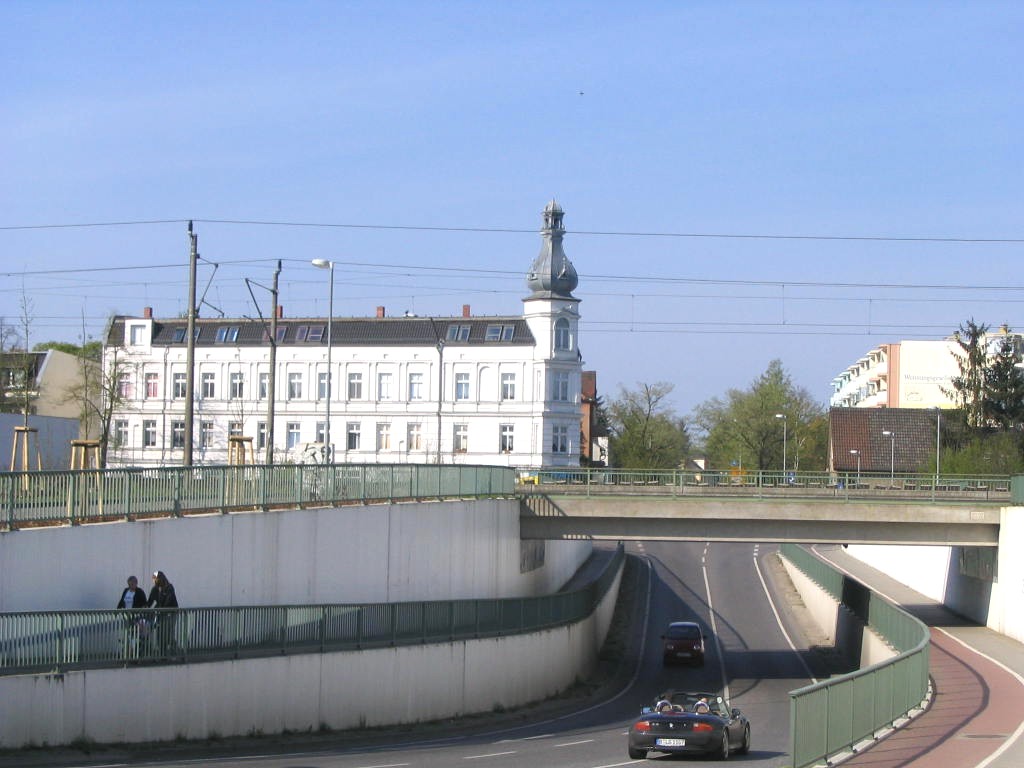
(938, 423)
(328, 445)
(892, 455)
(856, 453)
(785, 423)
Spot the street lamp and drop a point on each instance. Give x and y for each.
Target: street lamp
(855, 452)
(892, 455)
(938, 422)
(328, 445)
(785, 422)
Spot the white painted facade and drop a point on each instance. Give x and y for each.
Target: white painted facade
(461, 389)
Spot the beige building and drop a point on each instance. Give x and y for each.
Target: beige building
(50, 375)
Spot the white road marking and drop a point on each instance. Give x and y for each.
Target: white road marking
(526, 738)
(573, 743)
(490, 754)
(778, 619)
(714, 624)
(385, 765)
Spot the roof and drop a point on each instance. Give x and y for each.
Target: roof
(396, 331)
(861, 430)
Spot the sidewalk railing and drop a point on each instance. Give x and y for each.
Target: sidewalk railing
(91, 495)
(58, 641)
(594, 481)
(830, 717)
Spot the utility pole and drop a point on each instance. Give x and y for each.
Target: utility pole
(272, 375)
(190, 374)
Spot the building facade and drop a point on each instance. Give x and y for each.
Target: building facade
(462, 389)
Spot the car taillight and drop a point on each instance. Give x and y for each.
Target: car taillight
(643, 726)
(698, 727)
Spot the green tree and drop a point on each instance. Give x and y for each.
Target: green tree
(755, 427)
(645, 432)
(994, 453)
(1004, 386)
(968, 387)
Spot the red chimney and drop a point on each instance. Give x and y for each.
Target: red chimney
(147, 312)
(465, 310)
(380, 311)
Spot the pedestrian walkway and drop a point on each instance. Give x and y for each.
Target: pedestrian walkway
(976, 717)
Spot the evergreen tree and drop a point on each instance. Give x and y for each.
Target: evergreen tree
(1004, 386)
(968, 388)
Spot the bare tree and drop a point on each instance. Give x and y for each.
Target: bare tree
(101, 392)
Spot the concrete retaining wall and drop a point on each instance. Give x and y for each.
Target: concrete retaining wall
(307, 692)
(353, 554)
(935, 572)
(854, 641)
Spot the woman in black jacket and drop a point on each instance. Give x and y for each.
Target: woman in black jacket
(162, 596)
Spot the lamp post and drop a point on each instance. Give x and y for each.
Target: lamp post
(855, 452)
(892, 454)
(328, 445)
(785, 423)
(938, 423)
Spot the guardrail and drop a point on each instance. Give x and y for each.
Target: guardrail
(832, 716)
(766, 483)
(57, 641)
(97, 495)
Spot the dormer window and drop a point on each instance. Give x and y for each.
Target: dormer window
(458, 333)
(499, 333)
(227, 334)
(316, 333)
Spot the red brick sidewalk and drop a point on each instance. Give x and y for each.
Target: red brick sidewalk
(977, 709)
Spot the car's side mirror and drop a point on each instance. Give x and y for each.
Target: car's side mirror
(735, 712)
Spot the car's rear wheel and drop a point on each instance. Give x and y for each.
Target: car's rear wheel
(745, 748)
(637, 754)
(723, 749)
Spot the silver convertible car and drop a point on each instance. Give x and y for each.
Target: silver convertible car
(690, 723)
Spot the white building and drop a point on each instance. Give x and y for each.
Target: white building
(461, 389)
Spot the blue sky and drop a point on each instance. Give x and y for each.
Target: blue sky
(736, 176)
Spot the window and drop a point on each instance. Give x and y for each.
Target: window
(177, 434)
(462, 386)
(281, 333)
(316, 332)
(352, 436)
(560, 386)
(124, 386)
(149, 433)
(227, 334)
(264, 385)
(508, 386)
(179, 335)
(300, 332)
(152, 385)
(261, 435)
(322, 385)
(355, 386)
(559, 439)
(415, 386)
(458, 333)
(499, 333)
(178, 390)
(415, 437)
(138, 333)
(209, 389)
(120, 433)
(321, 432)
(460, 438)
(292, 434)
(562, 337)
(206, 434)
(294, 386)
(384, 386)
(234, 429)
(506, 433)
(383, 437)
(237, 390)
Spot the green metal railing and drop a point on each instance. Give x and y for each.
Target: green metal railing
(56, 641)
(832, 716)
(91, 495)
(767, 483)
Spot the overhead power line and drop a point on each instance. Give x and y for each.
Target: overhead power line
(515, 230)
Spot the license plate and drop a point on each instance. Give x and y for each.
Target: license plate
(683, 654)
(670, 743)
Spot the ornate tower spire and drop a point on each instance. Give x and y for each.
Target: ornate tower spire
(552, 275)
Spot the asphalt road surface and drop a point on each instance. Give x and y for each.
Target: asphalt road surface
(757, 651)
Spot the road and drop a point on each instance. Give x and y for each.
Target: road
(728, 588)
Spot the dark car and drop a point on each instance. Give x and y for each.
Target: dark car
(683, 641)
(690, 723)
